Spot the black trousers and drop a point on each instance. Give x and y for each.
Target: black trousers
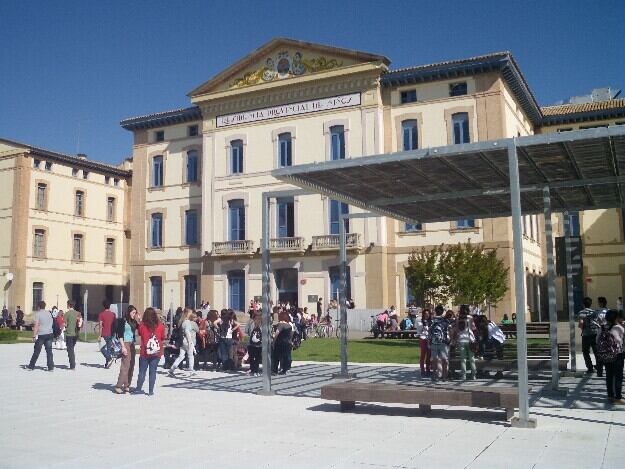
(255, 358)
(281, 356)
(46, 341)
(614, 378)
(70, 341)
(588, 342)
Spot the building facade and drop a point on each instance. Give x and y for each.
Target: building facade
(64, 226)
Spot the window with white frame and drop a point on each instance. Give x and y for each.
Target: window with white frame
(285, 150)
(409, 135)
(460, 124)
(236, 157)
(337, 142)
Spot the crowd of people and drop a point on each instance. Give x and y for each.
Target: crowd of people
(8, 320)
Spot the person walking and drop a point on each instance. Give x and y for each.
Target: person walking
(189, 329)
(106, 319)
(42, 336)
(590, 325)
(72, 320)
(611, 340)
(152, 333)
(282, 344)
(254, 347)
(439, 344)
(5, 317)
(125, 330)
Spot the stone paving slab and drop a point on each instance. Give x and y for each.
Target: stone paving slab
(73, 419)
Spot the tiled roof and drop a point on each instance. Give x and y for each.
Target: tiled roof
(161, 119)
(451, 62)
(71, 159)
(583, 107)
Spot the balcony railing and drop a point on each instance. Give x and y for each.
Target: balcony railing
(287, 244)
(233, 248)
(328, 242)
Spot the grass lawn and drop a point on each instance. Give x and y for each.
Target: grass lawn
(360, 351)
(27, 336)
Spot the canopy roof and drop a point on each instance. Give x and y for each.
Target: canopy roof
(584, 169)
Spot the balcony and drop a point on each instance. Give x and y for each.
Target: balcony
(296, 244)
(331, 242)
(233, 248)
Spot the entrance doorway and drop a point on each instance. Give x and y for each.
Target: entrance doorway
(286, 284)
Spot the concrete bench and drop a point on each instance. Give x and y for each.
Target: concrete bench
(425, 397)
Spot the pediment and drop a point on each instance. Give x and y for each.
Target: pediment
(284, 59)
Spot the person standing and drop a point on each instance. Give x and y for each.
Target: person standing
(463, 337)
(42, 336)
(19, 318)
(614, 367)
(60, 322)
(106, 319)
(439, 344)
(5, 316)
(125, 331)
(254, 347)
(152, 333)
(319, 308)
(590, 325)
(423, 329)
(189, 330)
(72, 318)
(282, 344)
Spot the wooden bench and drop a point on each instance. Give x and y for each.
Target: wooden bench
(348, 393)
(533, 329)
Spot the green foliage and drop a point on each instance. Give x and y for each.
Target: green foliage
(8, 335)
(463, 273)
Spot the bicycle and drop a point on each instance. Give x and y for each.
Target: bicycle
(338, 329)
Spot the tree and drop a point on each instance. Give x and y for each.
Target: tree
(426, 280)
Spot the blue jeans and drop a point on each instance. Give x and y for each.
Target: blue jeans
(144, 363)
(106, 350)
(224, 351)
(46, 341)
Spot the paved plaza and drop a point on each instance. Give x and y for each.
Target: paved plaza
(73, 419)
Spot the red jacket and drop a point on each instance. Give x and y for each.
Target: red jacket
(145, 335)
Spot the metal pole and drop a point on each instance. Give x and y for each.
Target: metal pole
(171, 310)
(569, 289)
(266, 324)
(551, 291)
(85, 302)
(515, 201)
(342, 289)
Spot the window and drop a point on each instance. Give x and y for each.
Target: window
(85, 174)
(574, 223)
(37, 294)
(408, 96)
(116, 182)
(285, 218)
(109, 292)
(337, 142)
(77, 296)
(77, 248)
(335, 279)
(460, 124)
(157, 171)
(192, 130)
(36, 163)
(41, 196)
(190, 223)
(74, 172)
(110, 209)
(159, 136)
(79, 203)
(107, 180)
(236, 215)
(190, 291)
(236, 157)
(336, 210)
(156, 292)
(410, 298)
(39, 245)
(48, 166)
(409, 135)
(458, 89)
(285, 150)
(413, 227)
(110, 251)
(565, 130)
(192, 166)
(466, 223)
(236, 290)
(157, 230)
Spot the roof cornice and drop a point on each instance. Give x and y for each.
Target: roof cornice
(161, 119)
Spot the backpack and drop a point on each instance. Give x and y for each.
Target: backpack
(56, 330)
(177, 337)
(153, 347)
(607, 347)
(211, 336)
(591, 322)
(115, 348)
(438, 331)
(256, 337)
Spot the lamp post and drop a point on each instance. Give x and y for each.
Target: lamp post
(9, 277)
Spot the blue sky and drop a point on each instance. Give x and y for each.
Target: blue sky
(71, 70)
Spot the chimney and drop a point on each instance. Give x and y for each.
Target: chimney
(81, 156)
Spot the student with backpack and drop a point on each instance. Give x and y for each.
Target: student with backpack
(255, 345)
(152, 333)
(463, 338)
(610, 350)
(227, 327)
(439, 344)
(590, 325)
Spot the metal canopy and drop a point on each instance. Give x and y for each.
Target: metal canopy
(583, 169)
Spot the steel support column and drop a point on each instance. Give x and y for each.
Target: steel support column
(342, 291)
(267, 316)
(523, 419)
(569, 289)
(551, 290)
